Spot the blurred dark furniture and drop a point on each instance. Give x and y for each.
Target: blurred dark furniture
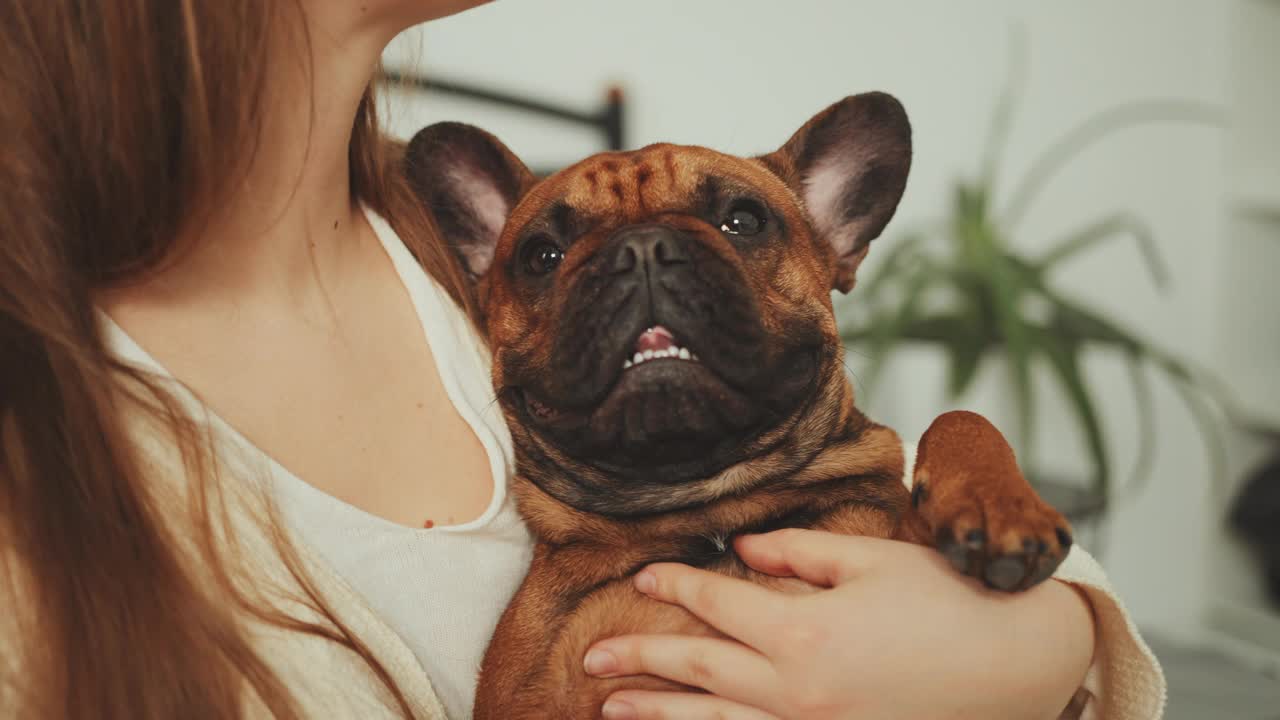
(1255, 516)
(607, 121)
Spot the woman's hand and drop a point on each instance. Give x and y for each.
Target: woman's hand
(893, 633)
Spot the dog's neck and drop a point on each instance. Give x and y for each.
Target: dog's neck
(840, 445)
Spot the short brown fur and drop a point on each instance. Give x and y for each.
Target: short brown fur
(826, 466)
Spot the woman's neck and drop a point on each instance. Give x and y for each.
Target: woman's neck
(288, 226)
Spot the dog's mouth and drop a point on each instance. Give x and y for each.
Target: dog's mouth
(666, 408)
(653, 347)
(658, 343)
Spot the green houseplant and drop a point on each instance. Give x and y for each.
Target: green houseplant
(963, 286)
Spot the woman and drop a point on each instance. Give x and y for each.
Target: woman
(207, 181)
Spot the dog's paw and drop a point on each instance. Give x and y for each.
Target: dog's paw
(1010, 541)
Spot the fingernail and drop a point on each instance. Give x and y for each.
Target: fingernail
(600, 662)
(619, 710)
(646, 582)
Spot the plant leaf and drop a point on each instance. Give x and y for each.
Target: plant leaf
(1193, 387)
(1064, 358)
(1190, 384)
(1146, 423)
(1210, 432)
(1098, 127)
(1108, 228)
(1007, 293)
(1002, 116)
(968, 345)
(887, 325)
(965, 358)
(895, 262)
(1084, 324)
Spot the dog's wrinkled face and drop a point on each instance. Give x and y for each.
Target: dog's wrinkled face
(654, 314)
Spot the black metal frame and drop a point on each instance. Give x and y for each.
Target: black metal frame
(609, 121)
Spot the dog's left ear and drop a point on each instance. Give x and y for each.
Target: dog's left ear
(849, 166)
(470, 182)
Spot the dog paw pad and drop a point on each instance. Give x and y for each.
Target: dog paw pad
(1005, 573)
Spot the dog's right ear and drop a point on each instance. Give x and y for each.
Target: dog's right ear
(469, 182)
(849, 166)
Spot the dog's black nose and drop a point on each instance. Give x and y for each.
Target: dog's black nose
(647, 247)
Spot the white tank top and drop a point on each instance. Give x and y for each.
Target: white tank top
(443, 589)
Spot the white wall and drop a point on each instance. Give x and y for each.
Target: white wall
(740, 75)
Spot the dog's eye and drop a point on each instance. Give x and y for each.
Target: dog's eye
(746, 218)
(541, 256)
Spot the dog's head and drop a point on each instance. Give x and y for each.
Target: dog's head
(658, 316)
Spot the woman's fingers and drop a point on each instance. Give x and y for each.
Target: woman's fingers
(722, 667)
(819, 558)
(649, 705)
(742, 610)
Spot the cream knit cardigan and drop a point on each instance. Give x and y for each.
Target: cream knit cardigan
(1124, 682)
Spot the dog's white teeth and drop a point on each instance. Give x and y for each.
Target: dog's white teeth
(672, 352)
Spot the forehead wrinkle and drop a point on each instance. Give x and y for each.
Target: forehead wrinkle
(673, 176)
(564, 220)
(580, 252)
(614, 189)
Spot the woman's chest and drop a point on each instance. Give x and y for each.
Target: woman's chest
(357, 403)
(370, 423)
(441, 592)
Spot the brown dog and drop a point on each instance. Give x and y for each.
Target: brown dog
(667, 357)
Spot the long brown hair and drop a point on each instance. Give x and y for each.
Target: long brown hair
(118, 121)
